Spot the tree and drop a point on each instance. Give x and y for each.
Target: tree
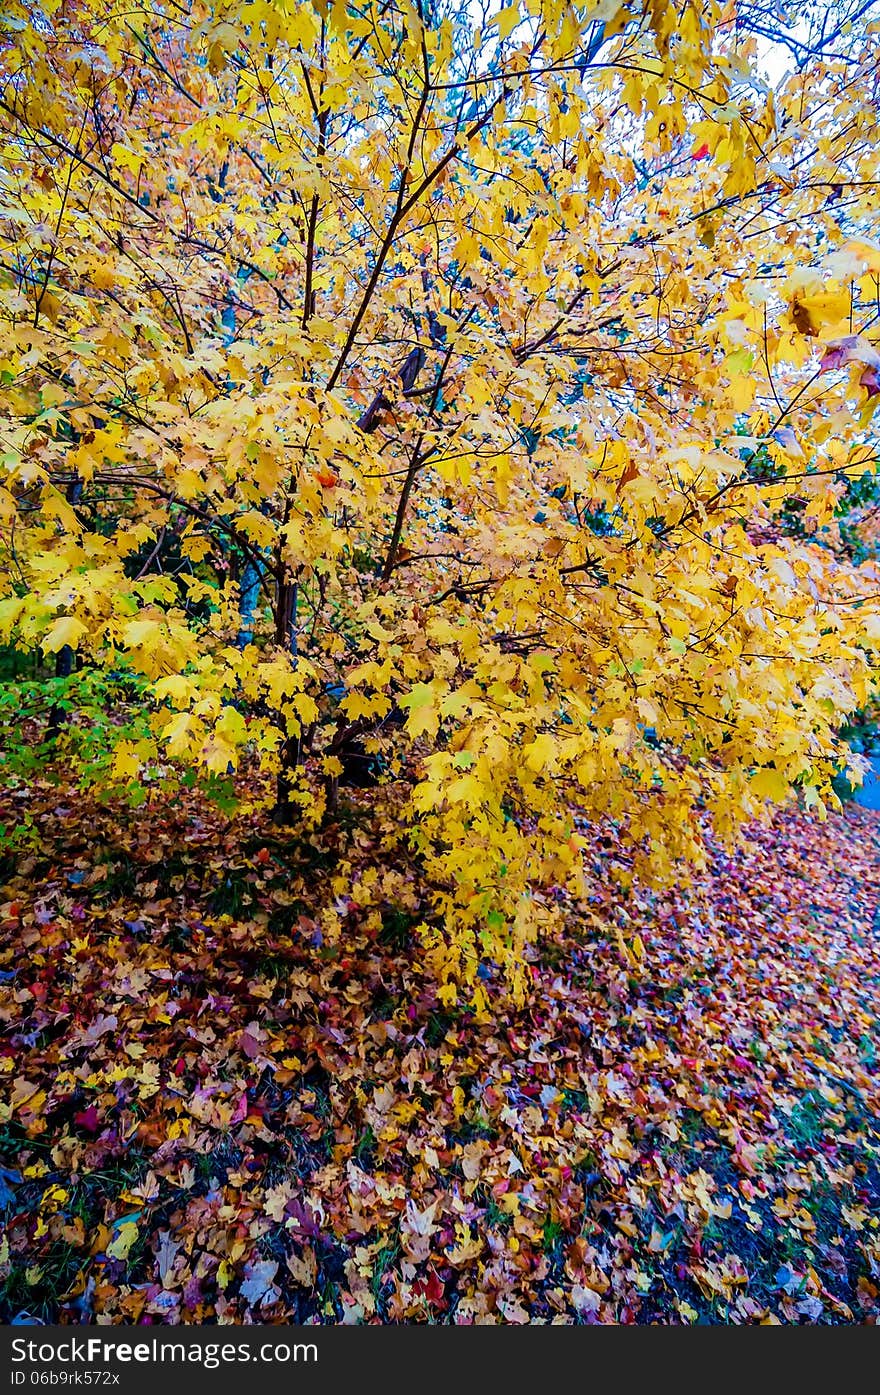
(364, 358)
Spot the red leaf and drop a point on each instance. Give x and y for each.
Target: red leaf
(431, 1289)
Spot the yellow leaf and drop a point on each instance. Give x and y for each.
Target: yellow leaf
(125, 761)
(66, 630)
(126, 1235)
(770, 784)
(421, 701)
(540, 754)
(141, 633)
(815, 312)
(507, 20)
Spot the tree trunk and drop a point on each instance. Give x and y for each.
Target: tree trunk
(249, 589)
(63, 669)
(291, 746)
(64, 659)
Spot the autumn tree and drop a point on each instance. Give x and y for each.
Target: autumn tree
(381, 358)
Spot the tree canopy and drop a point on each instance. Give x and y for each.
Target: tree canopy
(482, 385)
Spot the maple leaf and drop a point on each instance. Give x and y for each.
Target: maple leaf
(166, 1255)
(852, 349)
(67, 629)
(124, 1236)
(813, 311)
(256, 1286)
(88, 1119)
(417, 1228)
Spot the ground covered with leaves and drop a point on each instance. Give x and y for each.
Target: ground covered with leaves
(231, 1092)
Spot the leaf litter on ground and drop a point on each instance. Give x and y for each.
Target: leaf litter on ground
(232, 1093)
